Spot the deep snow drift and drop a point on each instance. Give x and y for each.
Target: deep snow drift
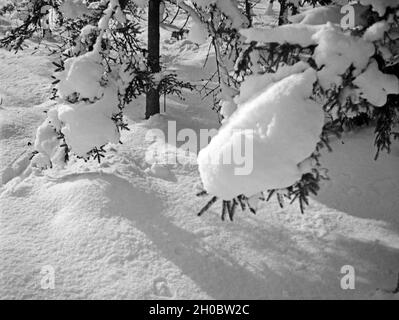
(128, 228)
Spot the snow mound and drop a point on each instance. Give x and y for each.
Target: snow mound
(282, 124)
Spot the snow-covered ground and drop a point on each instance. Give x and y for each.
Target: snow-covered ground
(125, 230)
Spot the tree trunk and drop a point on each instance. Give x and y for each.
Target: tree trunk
(248, 12)
(282, 18)
(152, 97)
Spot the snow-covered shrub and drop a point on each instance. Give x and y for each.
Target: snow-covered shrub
(352, 75)
(102, 68)
(99, 72)
(88, 98)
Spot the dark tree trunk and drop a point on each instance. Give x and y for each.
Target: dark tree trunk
(282, 16)
(152, 97)
(248, 12)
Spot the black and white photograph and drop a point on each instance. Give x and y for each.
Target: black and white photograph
(199, 150)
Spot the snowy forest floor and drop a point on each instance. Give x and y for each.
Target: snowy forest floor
(118, 231)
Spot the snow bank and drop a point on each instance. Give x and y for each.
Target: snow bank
(283, 125)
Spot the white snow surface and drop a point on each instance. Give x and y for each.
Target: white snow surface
(128, 229)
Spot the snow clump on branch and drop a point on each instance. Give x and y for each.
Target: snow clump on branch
(282, 123)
